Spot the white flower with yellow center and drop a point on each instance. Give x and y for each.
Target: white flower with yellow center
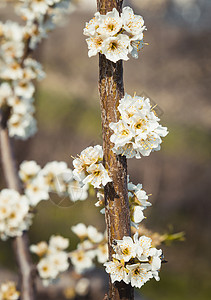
(81, 261)
(12, 71)
(8, 291)
(21, 106)
(125, 249)
(28, 170)
(57, 243)
(143, 246)
(122, 133)
(127, 150)
(92, 25)
(142, 133)
(98, 176)
(24, 88)
(40, 249)
(14, 214)
(21, 126)
(117, 271)
(116, 48)
(37, 190)
(88, 156)
(133, 24)
(145, 145)
(94, 45)
(139, 274)
(110, 24)
(59, 260)
(46, 269)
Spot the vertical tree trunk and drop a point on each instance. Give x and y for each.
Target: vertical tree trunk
(111, 89)
(20, 244)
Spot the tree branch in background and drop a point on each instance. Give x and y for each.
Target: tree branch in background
(20, 244)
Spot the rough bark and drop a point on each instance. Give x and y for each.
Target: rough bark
(111, 90)
(20, 244)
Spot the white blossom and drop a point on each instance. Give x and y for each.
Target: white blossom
(5, 93)
(59, 260)
(138, 131)
(81, 261)
(110, 24)
(56, 175)
(54, 259)
(98, 176)
(37, 190)
(102, 253)
(124, 249)
(14, 214)
(143, 245)
(89, 168)
(40, 249)
(8, 291)
(57, 242)
(115, 35)
(80, 230)
(133, 24)
(28, 170)
(135, 260)
(77, 191)
(46, 269)
(116, 48)
(117, 271)
(94, 235)
(139, 274)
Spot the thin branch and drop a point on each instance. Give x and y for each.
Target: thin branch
(20, 244)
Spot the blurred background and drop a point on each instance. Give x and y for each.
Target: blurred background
(174, 71)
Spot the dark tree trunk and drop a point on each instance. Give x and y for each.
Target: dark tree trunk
(117, 214)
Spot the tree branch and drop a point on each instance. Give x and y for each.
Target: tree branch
(20, 244)
(117, 214)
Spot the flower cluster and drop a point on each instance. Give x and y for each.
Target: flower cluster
(14, 214)
(17, 69)
(8, 291)
(41, 17)
(93, 245)
(55, 177)
(17, 75)
(115, 35)
(53, 258)
(135, 261)
(89, 168)
(138, 131)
